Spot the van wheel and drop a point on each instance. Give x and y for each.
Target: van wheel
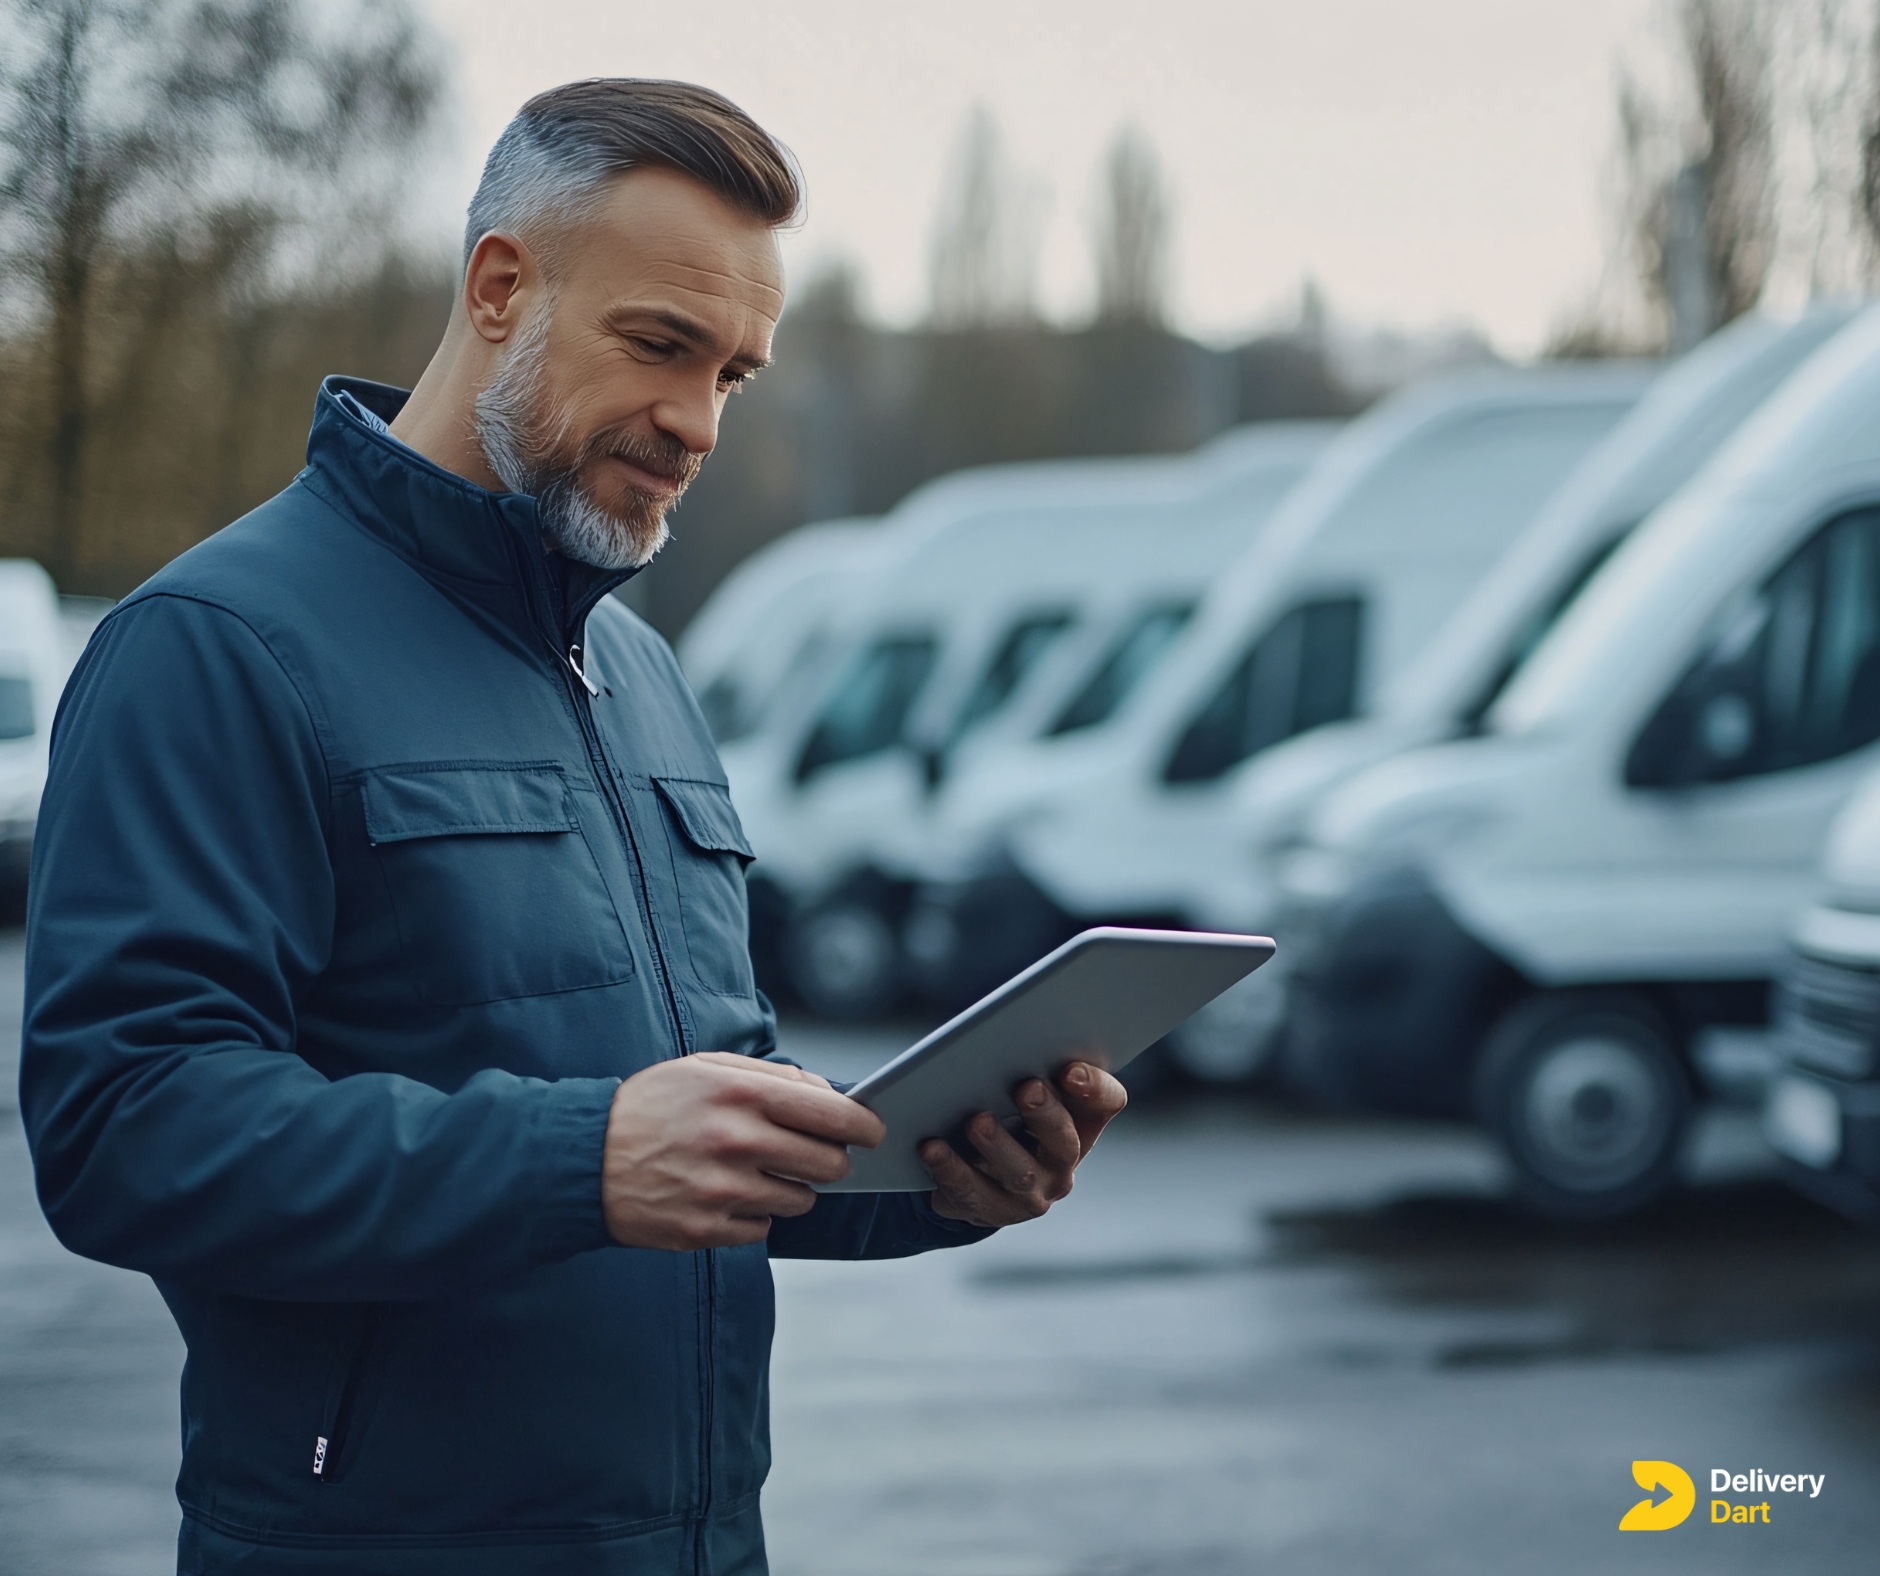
(1587, 1095)
(842, 959)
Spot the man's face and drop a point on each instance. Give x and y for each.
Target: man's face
(609, 393)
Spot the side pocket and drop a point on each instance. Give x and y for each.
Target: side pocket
(346, 1395)
(709, 855)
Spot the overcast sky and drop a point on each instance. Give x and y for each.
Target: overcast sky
(1427, 163)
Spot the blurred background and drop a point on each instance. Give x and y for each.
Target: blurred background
(1405, 480)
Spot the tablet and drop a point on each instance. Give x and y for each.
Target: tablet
(1103, 997)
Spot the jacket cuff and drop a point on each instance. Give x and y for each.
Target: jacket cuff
(959, 1232)
(569, 1137)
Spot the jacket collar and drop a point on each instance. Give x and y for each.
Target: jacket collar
(444, 522)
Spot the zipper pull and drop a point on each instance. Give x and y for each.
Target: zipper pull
(574, 661)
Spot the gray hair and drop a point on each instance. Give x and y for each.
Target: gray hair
(553, 162)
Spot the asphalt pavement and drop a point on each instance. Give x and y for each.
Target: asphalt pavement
(1252, 1340)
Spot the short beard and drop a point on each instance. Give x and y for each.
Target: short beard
(525, 442)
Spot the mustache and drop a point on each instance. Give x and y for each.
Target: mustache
(664, 456)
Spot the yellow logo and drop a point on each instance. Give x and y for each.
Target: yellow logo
(1660, 1515)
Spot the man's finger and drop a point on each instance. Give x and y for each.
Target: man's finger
(775, 1195)
(1059, 1143)
(1092, 1097)
(818, 1111)
(1008, 1162)
(963, 1192)
(784, 1070)
(797, 1157)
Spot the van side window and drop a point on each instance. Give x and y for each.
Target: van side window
(867, 712)
(1302, 672)
(1789, 674)
(1124, 666)
(16, 708)
(1025, 642)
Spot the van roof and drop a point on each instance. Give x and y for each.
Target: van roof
(1684, 418)
(1816, 433)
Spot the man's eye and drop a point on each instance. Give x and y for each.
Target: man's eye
(653, 347)
(731, 382)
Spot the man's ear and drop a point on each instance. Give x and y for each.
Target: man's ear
(497, 284)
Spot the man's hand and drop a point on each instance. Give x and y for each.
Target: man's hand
(699, 1149)
(1010, 1182)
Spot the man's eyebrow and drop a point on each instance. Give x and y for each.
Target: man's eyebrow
(693, 332)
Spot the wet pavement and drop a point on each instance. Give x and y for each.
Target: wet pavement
(1252, 1341)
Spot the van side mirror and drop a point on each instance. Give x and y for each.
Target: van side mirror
(1704, 732)
(1726, 727)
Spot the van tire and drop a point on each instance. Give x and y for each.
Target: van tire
(1590, 1100)
(842, 958)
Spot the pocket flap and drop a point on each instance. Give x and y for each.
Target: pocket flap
(704, 813)
(405, 802)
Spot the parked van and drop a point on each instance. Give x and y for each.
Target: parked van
(35, 659)
(1689, 412)
(762, 625)
(1101, 817)
(959, 619)
(1553, 925)
(1822, 1116)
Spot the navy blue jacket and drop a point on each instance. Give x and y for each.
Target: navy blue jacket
(350, 909)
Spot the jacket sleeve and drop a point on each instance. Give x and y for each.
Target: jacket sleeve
(181, 906)
(869, 1226)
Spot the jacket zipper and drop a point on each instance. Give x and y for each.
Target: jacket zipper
(576, 671)
(708, 1372)
(576, 661)
(569, 660)
(706, 1259)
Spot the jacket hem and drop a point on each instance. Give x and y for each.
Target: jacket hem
(507, 1538)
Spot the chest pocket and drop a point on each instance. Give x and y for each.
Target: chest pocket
(709, 853)
(496, 891)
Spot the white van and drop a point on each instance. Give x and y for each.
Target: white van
(1822, 1116)
(35, 659)
(961, 617)
(1101, 816)
(1550, 925)
(760, 627)
(1691, 410)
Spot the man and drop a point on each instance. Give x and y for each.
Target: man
(388, 991)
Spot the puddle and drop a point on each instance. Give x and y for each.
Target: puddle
(1708, 1270)
(1704, 1271)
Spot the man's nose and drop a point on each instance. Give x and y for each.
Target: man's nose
(691, 416)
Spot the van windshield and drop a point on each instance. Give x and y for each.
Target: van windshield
(1533, 630)
(1017, 655)
(16, 708)
(1789, 674)
(867, 711)
(1123, 667)
(1301, 673)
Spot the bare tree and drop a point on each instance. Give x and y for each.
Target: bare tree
(1696, 200)
(1728, 44)
(985, 245)
(150, 149)
(1132, 234)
